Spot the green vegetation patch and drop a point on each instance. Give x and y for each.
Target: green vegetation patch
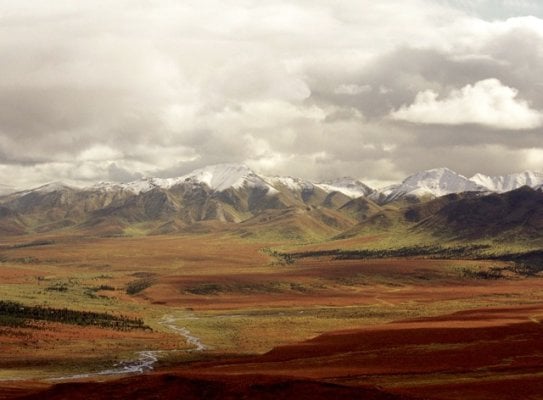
(17, 313)
(57, 287)
(11, 321)
(139, 285)
(210, 289)
(490, 273)
(282, 258)
(34, 243)
(410, 251)
(525, 262)
(102, 287)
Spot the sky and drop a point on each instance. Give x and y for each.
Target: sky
(94, 90)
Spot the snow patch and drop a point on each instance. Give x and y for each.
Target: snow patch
(218, 178)
(293, 184)
(48, 188)
(509, 182)
(433, 183)
(221, 177)
(348, 186)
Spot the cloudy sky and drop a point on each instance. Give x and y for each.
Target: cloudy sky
(94, 90)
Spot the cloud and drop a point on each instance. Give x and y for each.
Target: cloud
(486, 102)
(493, 9)
(96, 90)
(352, 89)
(118, 174)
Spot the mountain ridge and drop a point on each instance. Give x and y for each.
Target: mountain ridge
(506, 183)
(217, 196)
(435, 182)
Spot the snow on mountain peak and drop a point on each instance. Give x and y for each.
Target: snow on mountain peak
(52, 187)
(509, 182)
(142, 185)
(432, 175)
(294, 184)
(348, 186)
(44, 189)
(440, 182)
(217, 177)
(220, 177)
(433, 182)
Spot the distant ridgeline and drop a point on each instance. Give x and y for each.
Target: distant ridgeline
(233, 197)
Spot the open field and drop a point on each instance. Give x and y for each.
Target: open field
(207, 297)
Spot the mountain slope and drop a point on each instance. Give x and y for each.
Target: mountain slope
(515, 213)
(360, 208)
(233, 197)
(295, 224)
(513, 216)
(226, 193)
(10, 222)
(426, 185)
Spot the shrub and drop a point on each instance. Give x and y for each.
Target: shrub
(137, 286)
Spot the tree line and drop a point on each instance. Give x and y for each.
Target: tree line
(410, 251)
(14, 309)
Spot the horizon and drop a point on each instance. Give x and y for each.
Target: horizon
(6, 190)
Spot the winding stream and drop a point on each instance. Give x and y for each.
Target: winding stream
(169, 322)
(146, 359)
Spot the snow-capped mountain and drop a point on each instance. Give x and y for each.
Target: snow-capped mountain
(221, 177)
(348, 186)
(231, 193)
(431, 183)
(225, 176)
(506, 183)
(238, 177)
(293, 184)
(49, 188)
(218, 178)
(442, 181)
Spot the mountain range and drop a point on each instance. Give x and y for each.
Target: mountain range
(442, 181)
(233, 197)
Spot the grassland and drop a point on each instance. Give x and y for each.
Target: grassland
(234, 295)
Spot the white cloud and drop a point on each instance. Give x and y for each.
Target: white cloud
(352, 89)
(99, 152)
(487, 102)
(533, 159)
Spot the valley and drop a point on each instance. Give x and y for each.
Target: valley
(219, 285)
(212, 297)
